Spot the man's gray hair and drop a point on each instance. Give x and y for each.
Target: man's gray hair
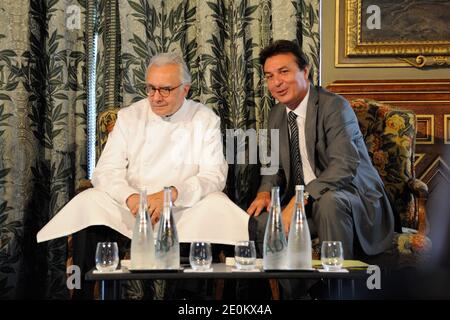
(162, 59)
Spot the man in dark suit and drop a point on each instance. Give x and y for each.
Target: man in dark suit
(321, 146)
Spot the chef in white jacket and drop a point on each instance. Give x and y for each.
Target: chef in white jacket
(163, 140)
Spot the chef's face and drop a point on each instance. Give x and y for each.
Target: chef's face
(166, 92)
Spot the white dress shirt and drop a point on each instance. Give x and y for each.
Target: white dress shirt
(300, 111)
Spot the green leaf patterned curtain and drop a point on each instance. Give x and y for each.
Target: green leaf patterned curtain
(108, 55)
(43, 138)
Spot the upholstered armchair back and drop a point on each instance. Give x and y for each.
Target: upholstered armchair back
(105, 123)
(389, 135)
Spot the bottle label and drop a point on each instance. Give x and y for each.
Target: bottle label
(274, 246)
(166, 242)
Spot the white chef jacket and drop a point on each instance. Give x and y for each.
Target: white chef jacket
(145, 150)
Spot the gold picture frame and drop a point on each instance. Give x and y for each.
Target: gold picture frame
(343, 61)
(447, 128)
(425, 42)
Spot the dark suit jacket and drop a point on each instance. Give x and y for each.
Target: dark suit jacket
(339, 158)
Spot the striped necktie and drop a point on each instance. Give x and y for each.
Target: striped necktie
(296, 159)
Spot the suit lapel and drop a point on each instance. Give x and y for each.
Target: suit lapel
(310, 125)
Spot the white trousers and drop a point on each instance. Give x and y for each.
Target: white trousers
(214, 219)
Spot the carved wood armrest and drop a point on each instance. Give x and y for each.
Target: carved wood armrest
(419, 188)
(83, 185)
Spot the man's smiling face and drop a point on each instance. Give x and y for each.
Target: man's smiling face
(286, 81)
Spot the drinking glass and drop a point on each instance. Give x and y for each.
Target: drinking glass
(332, 255)
(106, 256)
(245, 255)
(200, 256)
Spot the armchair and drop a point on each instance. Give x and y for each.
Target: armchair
(390, 135)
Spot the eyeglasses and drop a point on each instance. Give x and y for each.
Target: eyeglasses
(164, 91)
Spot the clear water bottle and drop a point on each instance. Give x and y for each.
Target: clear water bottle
(299, 240)
(167, 244)
(275, 244)
(142, 244)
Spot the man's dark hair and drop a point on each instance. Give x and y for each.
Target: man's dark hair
(285, 46)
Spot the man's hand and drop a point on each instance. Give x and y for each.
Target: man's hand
(286, 215)
(133, 203)
(261, 201)
(287, 212)
(155, 203)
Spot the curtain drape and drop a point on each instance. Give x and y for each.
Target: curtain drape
(43, 142)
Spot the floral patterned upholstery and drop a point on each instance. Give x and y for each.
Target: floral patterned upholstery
(389, 134)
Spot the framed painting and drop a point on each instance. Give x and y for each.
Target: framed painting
(417, 29)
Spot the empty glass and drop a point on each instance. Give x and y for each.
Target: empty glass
(106, 256)
(332, 255)
(200, 256)
(245, 255)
